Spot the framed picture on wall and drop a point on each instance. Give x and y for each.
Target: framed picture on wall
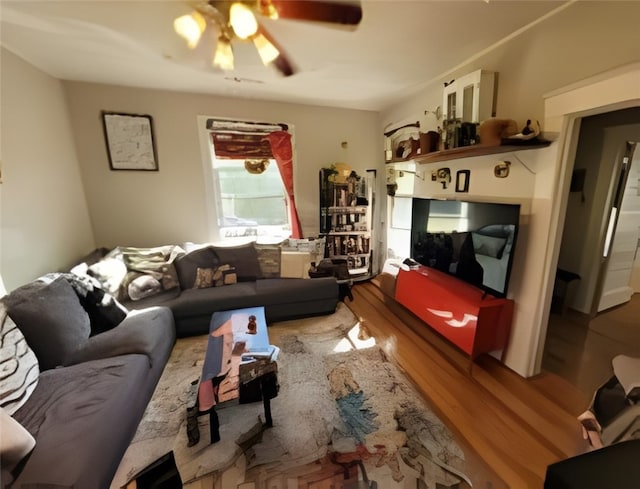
(129, 140)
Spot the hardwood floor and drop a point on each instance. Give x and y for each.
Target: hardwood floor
(510, 428)
(580, 351)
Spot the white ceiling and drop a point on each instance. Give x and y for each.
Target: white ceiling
(398, 47)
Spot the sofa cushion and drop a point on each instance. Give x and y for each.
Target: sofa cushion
(269, 260)
(295, 290)
(15, 444)
(243, 257)
(18, 365)
(187, 265)
(51, 318)
(195, 302)
(83, 418)
(148, 331)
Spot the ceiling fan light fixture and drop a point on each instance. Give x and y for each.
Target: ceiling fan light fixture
(223, 56)
(267, 51)
(242, 20)
(267, 9)
(190, 27)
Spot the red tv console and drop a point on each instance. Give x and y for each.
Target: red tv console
(473, 320)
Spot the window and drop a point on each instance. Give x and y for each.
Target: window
(250, 204)
(245, 191)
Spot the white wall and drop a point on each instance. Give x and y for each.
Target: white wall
(578, 42)
(45, 223)
(153, 208)
(527, 185)
(582, 40)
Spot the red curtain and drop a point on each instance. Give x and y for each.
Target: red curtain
(283, 153)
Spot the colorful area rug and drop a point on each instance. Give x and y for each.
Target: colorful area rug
(344, 413)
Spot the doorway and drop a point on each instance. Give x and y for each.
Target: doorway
(581, 341)
(596, 192)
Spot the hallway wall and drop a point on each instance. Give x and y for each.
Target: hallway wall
(632, 200)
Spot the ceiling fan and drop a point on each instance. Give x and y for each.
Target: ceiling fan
(237, 20)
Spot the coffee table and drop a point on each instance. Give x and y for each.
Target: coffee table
(239, 364)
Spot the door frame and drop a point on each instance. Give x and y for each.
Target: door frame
(564, 109)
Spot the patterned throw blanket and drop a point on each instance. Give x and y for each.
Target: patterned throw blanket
(135, 273)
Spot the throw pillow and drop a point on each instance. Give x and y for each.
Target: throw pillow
(225, 275)
(104, 311)
(19, 369)
(187, 265)
(488, 245)
(204, 278)
(15, 444)
(243, 257)
(215, 277)
(51, 319)
(143, 286)
(269, 260)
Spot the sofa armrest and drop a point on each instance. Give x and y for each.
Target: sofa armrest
(142, 331)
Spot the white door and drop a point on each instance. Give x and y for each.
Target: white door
(624, 229)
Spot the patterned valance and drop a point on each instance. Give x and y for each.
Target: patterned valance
(242, 140)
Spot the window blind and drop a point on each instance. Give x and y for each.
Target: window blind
(242, 140)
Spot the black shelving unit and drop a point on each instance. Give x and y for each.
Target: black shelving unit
(345, 220)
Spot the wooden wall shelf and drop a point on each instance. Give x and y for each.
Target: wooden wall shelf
(469, 151)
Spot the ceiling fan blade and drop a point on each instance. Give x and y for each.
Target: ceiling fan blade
(312, 10)
(283, 65)
(281, 62)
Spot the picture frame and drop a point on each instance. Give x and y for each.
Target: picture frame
(462, 180)
(130, 141)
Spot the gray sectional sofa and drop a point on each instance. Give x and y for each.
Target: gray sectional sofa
(86, 367)
(257, 283)
(90, 391)
(282, 298)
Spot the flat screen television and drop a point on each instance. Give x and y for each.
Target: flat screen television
(473, 241)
